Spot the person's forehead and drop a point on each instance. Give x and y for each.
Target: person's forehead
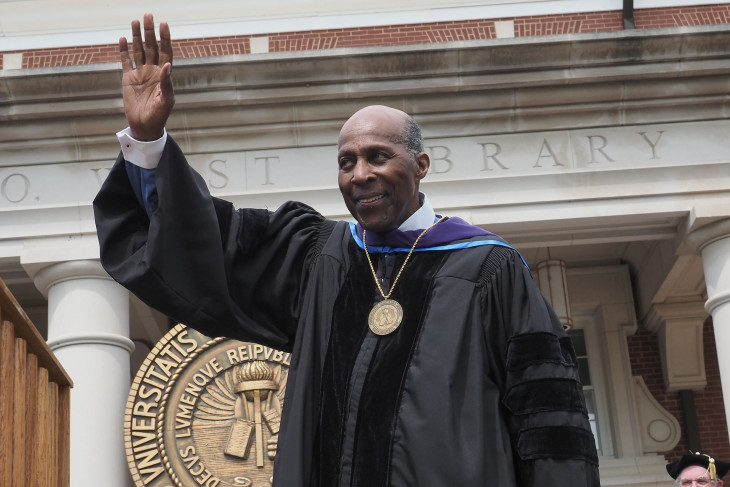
(693, 471)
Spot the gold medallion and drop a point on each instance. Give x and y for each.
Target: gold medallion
(385, 317)
(205, 412)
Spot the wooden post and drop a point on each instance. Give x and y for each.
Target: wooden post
(34, 404)
(7, 359)
(20, 408)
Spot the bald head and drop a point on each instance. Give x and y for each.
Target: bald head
(408, 136)
(376, 111)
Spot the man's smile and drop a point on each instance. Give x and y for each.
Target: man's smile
(370, 199)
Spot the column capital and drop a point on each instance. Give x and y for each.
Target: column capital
(45, 276)
(85, 305)
(703, 236)
(42, 253)
(712, 241)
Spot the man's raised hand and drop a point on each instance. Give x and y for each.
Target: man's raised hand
(146, 82)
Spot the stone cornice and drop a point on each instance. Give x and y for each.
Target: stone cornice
(501, 67)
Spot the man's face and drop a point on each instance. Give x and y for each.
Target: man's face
(378, 178)
(695, 472)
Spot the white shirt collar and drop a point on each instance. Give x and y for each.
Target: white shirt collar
(422, 218)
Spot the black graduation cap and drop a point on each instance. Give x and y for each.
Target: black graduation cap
(716, 468)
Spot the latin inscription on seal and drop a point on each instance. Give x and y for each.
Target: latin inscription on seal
(205, 412)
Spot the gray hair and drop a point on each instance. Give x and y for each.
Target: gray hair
(411, 137)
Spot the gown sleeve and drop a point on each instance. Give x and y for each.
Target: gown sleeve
(225, 272)
(542, 394)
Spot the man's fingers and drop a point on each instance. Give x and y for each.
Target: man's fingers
(124, 55)
(165, 44)
(166, 83)
(137, 48)
(150, 41)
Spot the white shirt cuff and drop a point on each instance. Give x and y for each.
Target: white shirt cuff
(143, 154)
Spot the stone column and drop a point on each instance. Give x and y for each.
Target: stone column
(713, 243)
(88, 330)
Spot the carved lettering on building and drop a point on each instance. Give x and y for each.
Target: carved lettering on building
(490, 151)
(487, 156)
(15, 187)
(101, 174)
(547, 152)
(597, 144)
(440, 159)
(220, 179)
(653, 143)
(266, 161)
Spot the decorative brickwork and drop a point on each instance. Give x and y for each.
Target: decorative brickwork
(568, 24)
(211, 46)
(654, 18)
(70, 56)
(383, 36)
(397, 34)
(645, 361)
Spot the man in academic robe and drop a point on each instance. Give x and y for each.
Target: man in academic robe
(423, 354)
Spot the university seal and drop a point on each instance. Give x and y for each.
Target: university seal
(205, 412)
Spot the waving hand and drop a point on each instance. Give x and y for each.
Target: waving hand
(146, 81)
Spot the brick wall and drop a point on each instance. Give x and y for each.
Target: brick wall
(569, 24)
(644, 352)
(397, 34)
(653, 18)
(206, 47)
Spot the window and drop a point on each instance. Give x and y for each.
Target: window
(584, 371)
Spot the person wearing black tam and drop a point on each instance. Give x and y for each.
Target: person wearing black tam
(698, 469)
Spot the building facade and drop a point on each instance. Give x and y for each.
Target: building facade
(594, 137)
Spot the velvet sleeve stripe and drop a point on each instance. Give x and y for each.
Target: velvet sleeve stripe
(536, 348)
(557, 442)
(545, 395)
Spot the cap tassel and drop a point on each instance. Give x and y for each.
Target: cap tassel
(713, 471)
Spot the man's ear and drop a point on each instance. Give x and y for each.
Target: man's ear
(424, 163)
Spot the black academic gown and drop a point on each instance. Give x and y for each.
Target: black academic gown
(478, 386)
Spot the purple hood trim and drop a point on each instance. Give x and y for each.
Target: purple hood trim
(450, 230)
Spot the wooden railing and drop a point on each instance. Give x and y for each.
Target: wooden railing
(34, 404)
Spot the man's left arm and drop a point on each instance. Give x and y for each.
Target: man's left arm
(546, 413)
